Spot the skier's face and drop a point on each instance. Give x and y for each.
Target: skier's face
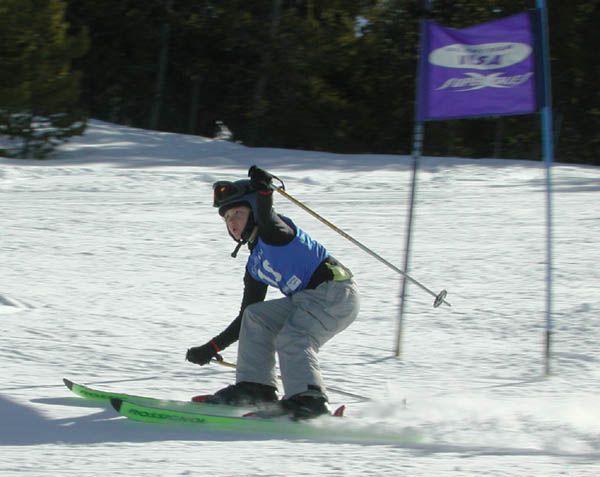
(236, 219)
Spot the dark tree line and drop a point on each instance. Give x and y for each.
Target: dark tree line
(332, 75)
(39, 92)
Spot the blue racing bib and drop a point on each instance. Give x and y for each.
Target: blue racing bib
(287, 267)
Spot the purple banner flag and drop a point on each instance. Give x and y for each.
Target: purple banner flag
(484, 70)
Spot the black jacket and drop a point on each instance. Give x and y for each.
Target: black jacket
(273, 230)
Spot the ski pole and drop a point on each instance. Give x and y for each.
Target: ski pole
(228, 364)
(439, 297)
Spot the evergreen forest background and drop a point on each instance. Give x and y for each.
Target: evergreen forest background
(329, 75)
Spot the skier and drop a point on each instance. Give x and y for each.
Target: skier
(321, 299)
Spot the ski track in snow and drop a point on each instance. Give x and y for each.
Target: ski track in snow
(114, 262)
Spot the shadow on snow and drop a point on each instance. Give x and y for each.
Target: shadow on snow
(25, 426)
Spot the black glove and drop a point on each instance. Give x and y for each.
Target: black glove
(259, 178)
(203, 354)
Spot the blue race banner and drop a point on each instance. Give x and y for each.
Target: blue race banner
(484, 70)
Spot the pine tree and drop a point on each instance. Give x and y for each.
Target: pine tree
(39, 93)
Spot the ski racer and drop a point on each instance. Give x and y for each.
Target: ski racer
(320, 300)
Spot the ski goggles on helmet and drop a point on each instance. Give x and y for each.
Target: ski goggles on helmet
(226, 192)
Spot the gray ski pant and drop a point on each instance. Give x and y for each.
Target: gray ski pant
(295, 328)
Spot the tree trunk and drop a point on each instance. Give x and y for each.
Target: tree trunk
(162, 69)
(258, 108)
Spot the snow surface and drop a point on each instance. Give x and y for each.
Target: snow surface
(114, 262)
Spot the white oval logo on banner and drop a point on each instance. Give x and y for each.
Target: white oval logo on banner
(487, 56)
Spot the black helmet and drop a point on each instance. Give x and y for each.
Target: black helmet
(227, 194)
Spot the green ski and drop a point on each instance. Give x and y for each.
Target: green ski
(328, 428)
(105, 396)
(205, 421)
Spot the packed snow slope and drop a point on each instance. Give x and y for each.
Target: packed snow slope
(114, 262)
